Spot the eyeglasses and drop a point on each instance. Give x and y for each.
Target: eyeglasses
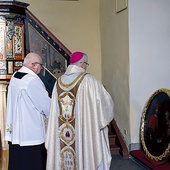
(38, 63)
(87, 64)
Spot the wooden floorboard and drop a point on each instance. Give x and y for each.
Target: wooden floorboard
(4, 159)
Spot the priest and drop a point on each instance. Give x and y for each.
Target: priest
(81, 110)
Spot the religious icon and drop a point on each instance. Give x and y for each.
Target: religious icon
(155, 125)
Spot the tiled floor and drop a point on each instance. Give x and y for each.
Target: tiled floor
(118, 163)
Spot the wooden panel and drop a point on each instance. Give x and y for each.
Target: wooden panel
(4, 157)
(2, 37)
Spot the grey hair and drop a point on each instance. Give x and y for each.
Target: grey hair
(84, 58)
(26, 60)
(30, 58)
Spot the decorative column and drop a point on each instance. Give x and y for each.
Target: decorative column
(3, 94)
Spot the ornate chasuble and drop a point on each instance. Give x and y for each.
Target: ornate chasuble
(66, 101)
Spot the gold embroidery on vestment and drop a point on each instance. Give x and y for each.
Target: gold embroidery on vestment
(70, 84)
(66, 100)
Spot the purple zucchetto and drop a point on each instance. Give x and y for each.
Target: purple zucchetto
(76, 56)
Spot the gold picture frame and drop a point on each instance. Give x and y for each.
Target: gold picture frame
(154, 128)
(121, 5)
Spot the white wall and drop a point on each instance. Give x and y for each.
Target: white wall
(149, 51)
(115, 61)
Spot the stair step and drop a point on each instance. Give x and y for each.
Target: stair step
(114, 149)
(112, 135)
(112, 139)
(117, 143)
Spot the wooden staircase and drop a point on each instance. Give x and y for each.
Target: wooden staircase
(117, 143)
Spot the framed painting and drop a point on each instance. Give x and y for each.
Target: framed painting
(54, 64)
(52, 59)
(55, 56)
(155, 125)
